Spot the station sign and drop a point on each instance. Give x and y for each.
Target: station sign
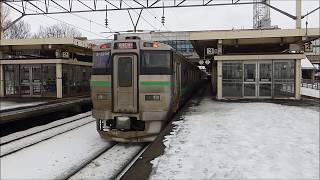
(210, 51)
(201, 62)
(65, 55)
(207, 62)
(308, 47)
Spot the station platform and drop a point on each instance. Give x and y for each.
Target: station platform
(12, 109)
(213, 139)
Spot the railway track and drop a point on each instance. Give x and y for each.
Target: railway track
(119, 156)
(11, 144)
(107, 164)
(128, 166)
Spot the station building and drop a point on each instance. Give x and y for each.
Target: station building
(248, 63)
(50, 68)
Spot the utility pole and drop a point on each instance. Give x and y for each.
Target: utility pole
(298, 14)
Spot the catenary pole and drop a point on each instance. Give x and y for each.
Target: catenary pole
(298, 14)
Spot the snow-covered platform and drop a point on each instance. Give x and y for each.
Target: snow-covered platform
(6, 104)
(310, 92)
(15, 109)
(227, 140)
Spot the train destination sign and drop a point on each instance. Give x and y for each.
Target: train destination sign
(125, 45)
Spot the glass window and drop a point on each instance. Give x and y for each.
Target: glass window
(101, 63)
(284, 90)
(25, 80)
(284, 78)
(49, 80)
(155, 63)
(75, 80)
(232, 89)
(11, 75)
(36, 80)
(249, 72)
(232, 72)
(125, 71)
(265, 89)
(249, 89)
(265, 71)
(232, 79)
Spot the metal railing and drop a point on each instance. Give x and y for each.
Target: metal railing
(309, 83)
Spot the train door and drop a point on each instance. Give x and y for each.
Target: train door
(125, 80)
(177, 82)
(178, 78)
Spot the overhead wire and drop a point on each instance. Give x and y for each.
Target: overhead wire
(141, 16)
(99, 23)
(90, 20)
(65, 22)
(146, 20)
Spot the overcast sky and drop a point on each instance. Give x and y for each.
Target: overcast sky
(177, 19)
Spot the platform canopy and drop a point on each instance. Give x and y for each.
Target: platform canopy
(250, 41)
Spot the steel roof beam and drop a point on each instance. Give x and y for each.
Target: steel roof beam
(68, 8)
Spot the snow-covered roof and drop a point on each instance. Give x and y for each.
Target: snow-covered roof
(306, 64)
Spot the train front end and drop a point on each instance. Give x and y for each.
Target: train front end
(131, 93)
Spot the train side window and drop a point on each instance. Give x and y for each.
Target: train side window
(155, 63)
(101, 63)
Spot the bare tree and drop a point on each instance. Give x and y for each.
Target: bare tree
(18, 30)
(57, 31)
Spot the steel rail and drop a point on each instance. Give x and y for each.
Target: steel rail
(127, 167)
(85, 163)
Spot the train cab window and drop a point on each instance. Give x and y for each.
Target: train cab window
(101, 63)
(155, 63)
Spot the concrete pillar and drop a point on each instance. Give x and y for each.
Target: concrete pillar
(59, 80)
(214, 78)
(298, 79)
(1, 81)
(312, 74)
(219, 47)
(219, 80)
(298, 14)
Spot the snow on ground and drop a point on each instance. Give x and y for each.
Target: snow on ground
(310, 92)
(20, 134)
(54, 158)
(10, 147)
(11, 104)
(108, 165)
(219, 140)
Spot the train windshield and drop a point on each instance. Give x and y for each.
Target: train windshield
(155, 63)
(101, 63)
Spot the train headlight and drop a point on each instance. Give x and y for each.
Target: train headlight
(102, 97)
(152, 97)
(123, 122)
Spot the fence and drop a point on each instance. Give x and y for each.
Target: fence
(309, 83)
